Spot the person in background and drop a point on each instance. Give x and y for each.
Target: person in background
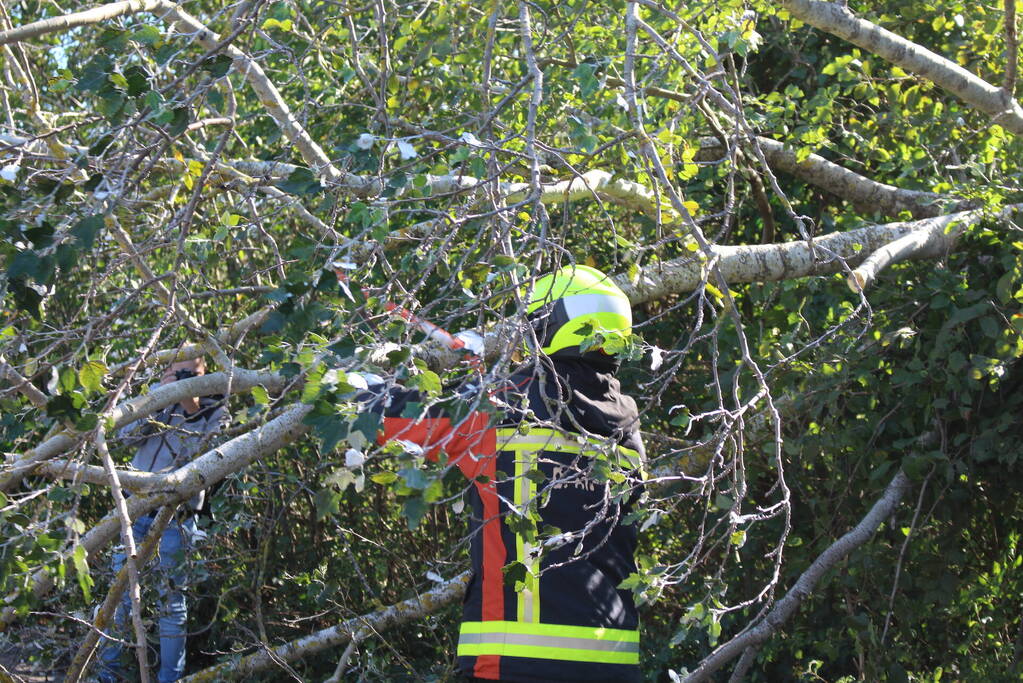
(164, 442)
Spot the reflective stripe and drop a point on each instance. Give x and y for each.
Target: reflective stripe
(559, 642)
(549, 641)
(544, 439)
(528, 608)
(578, 305)
(565, 630)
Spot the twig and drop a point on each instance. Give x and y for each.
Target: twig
(902, 556)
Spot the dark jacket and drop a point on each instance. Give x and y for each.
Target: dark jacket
(555, 459)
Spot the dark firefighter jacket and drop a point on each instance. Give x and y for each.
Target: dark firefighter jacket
(540, 456)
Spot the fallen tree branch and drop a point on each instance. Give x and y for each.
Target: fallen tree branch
(788, 260)
(933, 237)
(139, 407)
(865, 194)
(185, 482)
(787, 606)
(836, 19)
(413, 608)
(831, 253)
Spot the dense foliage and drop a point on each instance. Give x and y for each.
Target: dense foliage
(151, 199)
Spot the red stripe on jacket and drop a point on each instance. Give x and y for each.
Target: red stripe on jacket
(472, 446)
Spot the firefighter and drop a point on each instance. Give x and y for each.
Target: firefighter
(539, 451)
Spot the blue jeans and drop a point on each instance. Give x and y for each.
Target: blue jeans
(173, 612)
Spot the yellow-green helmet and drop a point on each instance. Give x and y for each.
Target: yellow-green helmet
(570, 304)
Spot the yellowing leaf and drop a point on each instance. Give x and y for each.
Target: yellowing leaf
(91, 375)
(715, 292)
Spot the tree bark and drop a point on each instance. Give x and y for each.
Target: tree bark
(974, 91)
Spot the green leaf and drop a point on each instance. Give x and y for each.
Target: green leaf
(136, 81)
(329, 428)
(384, 478)
(260, 395)
(67, 380)
(25, 264)
(61, 407)
(414, 478)
(85, 230)
(413, 510)
(91, 375)
(681, 419)
(26, 298)
(79, 558)
(327, 502)
(586, 80)
(300, 182)
(218, 66)
(147, 35)
(311, 389)
(93, 75)
(180, 118)
(427, 381)
(514, 573)
(368, 424)
(87, 422)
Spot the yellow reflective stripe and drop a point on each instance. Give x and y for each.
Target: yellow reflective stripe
(528, 608)
(548, 641)
(552, 630)
(541, 652)
(544, 439)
